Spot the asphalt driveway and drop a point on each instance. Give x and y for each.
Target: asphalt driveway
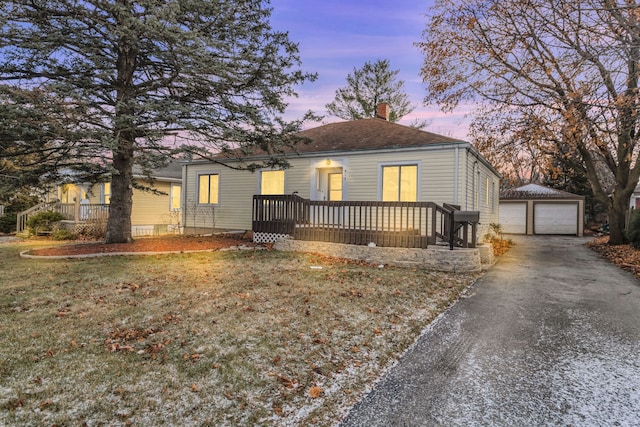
(549, 336)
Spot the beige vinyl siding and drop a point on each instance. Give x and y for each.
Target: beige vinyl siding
(95, 194)
(152, 209)
(233, 211)
(436, 170)
(362, 182)
(474, 183)
(148, 208)
(298, 177)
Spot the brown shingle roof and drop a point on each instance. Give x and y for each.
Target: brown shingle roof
(367, 134)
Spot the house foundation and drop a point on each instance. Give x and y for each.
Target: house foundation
(436, 258)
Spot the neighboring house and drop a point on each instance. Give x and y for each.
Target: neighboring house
(362, 160)
(152, 213)
(535, 209)
(634, 202)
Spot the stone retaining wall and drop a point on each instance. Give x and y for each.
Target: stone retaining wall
(436, 258)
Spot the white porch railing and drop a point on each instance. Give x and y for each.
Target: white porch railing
(70, 211)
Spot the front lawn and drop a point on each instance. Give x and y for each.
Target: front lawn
(215, 338)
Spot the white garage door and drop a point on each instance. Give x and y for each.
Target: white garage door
(555, 218)
(513, 218)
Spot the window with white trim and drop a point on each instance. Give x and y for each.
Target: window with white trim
(208, 189)
(476, 195)
(105, 193)
(174, 195)
(272, 182)
(493, 197)
(335, 186)
(486, 191)
(400, 183)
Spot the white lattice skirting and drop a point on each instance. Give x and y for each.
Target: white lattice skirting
(262, 237)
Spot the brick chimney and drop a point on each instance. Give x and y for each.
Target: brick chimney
(383, 111)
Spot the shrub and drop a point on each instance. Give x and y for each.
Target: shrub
(494, 233)
(8, 223)
(496, 238)
(12, 206)
(63, 234)
(43, 221)
(633, 229)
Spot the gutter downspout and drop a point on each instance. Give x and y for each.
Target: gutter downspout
(456, 178)
(466, 180)
(183, 197)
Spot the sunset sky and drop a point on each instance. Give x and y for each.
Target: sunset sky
(336, 36)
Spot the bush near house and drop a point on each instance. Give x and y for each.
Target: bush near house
(633, 230)
(64, 234)
(43, 222)
(8, 223)
(12, 206)
(496, 238)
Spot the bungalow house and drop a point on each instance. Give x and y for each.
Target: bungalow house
(356, 163)
(157, 212)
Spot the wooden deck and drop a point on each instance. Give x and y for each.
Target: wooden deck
(391, 224)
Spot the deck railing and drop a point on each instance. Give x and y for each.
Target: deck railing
(395, 224)
(70, 212)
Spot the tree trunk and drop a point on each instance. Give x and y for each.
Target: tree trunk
(618, 205)
(119, 223)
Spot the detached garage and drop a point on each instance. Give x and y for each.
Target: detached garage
(534, 209)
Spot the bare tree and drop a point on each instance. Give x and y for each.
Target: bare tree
(576, 63)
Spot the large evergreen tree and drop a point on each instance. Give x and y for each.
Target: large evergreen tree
(367, 87)
(103, 85)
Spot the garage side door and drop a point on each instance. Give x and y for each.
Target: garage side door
(555, 218)
(513, 218)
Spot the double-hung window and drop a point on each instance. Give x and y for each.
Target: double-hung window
(105, 193)
(400, 183)
(208, 186)
(272, 182)
(175, 197)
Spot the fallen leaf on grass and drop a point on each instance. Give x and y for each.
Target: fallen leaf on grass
(194, 387)
(45, 403)
(315, 392)
(288, 383)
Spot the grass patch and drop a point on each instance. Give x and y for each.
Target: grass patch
(216, 338)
